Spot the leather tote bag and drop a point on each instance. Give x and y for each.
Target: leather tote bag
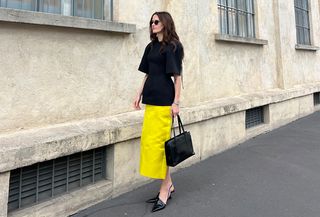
(179, 147)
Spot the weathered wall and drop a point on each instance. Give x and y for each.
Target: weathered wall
(54, 75)
(299, 66)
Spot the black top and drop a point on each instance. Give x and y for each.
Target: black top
(159, 87)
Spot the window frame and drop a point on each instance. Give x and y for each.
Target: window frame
(255, 117)
(309, 27)
(316, 99)
(42, 181)
(106, 8)
(250, 32)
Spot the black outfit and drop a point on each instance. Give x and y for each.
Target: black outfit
(159, 87)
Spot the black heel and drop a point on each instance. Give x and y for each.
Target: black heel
(154, 199)
(159, 205)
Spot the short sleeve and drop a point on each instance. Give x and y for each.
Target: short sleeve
(144, 65)
(174, 60)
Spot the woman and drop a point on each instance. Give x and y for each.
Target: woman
(162, 60)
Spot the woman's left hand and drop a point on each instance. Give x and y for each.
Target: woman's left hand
(175, 110)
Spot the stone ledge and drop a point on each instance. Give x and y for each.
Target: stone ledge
(225, 106)
(36, 145)
(306, 47)
(239, 39)
(38, 18)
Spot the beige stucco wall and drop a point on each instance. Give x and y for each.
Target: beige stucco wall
(228, 69)
(299, 66)
(286, 111)
(55, 75)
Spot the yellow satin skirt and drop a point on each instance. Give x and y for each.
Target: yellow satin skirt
(155, 131)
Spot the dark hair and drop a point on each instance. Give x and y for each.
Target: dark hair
(169, 31)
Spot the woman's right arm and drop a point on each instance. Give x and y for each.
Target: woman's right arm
(136, 103)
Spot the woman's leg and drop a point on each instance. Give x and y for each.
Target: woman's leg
(165, 187)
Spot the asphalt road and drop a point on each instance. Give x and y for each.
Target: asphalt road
(276, 174)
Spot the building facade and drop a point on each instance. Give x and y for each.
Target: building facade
(69, 136)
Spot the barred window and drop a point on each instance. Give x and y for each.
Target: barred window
(36, 183)
(301, 8)
(94, 9)
(316, 98)
(254, 117)
(237, 17)
(50, 6)
(19, 4)
(88, 8)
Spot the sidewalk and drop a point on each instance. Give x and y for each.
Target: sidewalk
(273, 175)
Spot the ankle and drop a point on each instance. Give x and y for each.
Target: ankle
(166, 185)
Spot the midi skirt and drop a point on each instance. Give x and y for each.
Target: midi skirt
(156, 131)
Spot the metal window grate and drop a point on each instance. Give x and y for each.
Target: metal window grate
(41, 181)
(96, 9)
(48, 6)
(316, 98)
(302, 21)
(237, 17)
(254, 117)
(88, 8)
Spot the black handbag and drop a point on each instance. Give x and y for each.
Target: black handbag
(179, 147)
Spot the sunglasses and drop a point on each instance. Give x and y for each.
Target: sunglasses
(155, 22)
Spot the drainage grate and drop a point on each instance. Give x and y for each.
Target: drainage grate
(316, 98)
(41, 181)
(254, 117)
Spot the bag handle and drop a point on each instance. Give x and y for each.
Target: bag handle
(179, 124)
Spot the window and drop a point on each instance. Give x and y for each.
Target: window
(94, 9)
(316, 98)
(19, 4)
(254, 117)
(41, 181)
(237, 17)
(301, 8)
(88, 8)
